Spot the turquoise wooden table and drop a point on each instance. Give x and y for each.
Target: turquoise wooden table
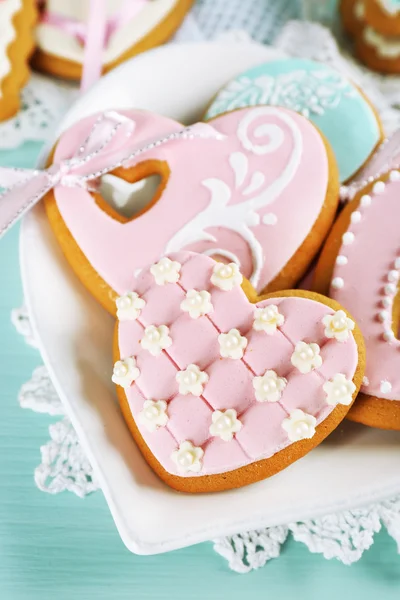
(66, 548)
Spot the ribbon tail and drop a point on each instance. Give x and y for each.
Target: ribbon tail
(94, 47)
(20, 198)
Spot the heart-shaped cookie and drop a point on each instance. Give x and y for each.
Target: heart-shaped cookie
(221, 388)
(17, 21)
(360, 268)
(262, 193)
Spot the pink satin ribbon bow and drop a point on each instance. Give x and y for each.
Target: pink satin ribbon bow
(95, 34)
(106, 148)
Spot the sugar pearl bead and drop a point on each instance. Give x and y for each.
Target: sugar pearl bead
(225, 272)
(151, 412)
(379, 187)
(186, 458)
(365, 200)
(224, 422)
(337, 283)
(121, 370)
(301, 429)
(190, 378)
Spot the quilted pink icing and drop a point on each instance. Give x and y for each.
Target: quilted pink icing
(370, 258)
(230, 381)
(265, 181)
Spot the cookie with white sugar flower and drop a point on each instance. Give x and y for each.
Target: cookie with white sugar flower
(360, 268)
(17, 23)
(221, 387)
(332, 102)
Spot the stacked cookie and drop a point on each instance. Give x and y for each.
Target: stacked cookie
(225, 373)
(375, 26)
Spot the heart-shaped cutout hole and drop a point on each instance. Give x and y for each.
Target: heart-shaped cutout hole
(128, 199)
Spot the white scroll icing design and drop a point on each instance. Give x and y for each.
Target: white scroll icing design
(242, 216)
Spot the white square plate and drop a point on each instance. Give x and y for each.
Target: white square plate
(354, 466)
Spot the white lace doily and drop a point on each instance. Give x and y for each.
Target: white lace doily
(344, 536)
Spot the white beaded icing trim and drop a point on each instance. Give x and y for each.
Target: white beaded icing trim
(389, 289)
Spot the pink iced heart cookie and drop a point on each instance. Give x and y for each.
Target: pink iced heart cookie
(262, 192)
(221, 388)
(360, 268)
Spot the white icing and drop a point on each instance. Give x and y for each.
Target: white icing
(338, 326)
(365, 200)
(397, 263)
(226, 277)
(393, 275)
(166, 271)
(129, 306)
(257, 180)
(306, 357)
(359, 10)
(348, 238)
(154, 414)
(355, 216)
(392, 8)
(383, 315)
(394, 175)
(365, 381)
(125, 372)
(57, 42)
(387, 301)
(7, 34)
(239, 163)
(156, 339)
(337, 283)
(378, 187)
(232, 344)
(385, 386)
(197, 303)
(225, 424)
(191, 380)
(388, 335)
(299, 425)
(240, 217)
(390, 288)
(188, 457)
(341, 260)
(270, 219)
(385, 47)
(268, 319)
(339, 390)
(269, 387)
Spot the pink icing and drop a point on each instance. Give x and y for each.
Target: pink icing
(230, 381)
(371, 256)
(206, 203)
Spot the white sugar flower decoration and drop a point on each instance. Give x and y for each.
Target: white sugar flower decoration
(191, 380)
(154, 414)
(339, 390)
(306, 357)
(188, 457)
(125, 372)
(129, 306)
(197, 304)
(166, 271)
(338, 326)
(268, 319)
(156, 339)
(299, 425)
(269, 387)
(226, 277)
(232, 344)
(225, 424)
